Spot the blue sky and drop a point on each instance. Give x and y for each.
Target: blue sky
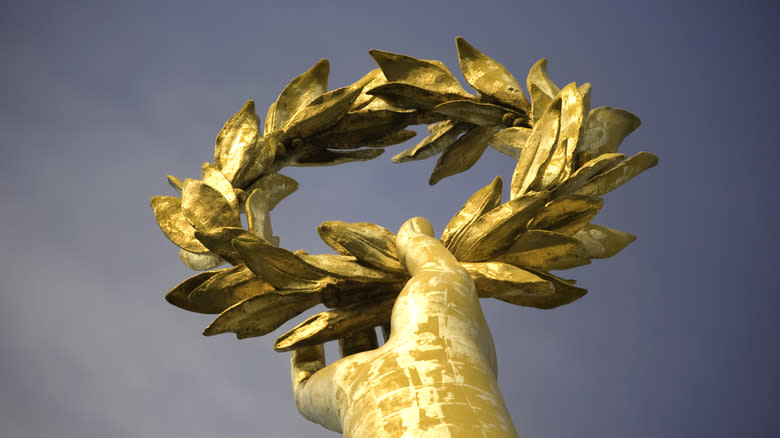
(676, 337)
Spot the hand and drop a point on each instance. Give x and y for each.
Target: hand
(435, 375)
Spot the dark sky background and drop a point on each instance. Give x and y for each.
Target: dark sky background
(678, 336)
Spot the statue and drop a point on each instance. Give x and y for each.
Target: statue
(436, 373)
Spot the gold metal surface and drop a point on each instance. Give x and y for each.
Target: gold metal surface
(436, 373)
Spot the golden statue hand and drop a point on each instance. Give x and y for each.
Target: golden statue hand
(435, 375)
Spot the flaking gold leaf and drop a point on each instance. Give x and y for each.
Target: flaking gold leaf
(510, 141)
(477, 113)
(369, 243)
(602, 242)
(485, 199)
(205, 207)
(263, 313)
(567, 215)
(297, 94)
(502, 280)
(604, 130)
(613, 178)
(538, 249)
(489, 77)
(226, 288)
(541, 88)
(200, 262)
(495, 230)
(463, 153)
(441, 136)
(170, 218)
(423, 73)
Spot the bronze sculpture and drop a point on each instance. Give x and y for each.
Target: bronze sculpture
(435, 375)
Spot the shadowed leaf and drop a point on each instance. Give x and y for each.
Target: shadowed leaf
(262, 314)
(347, 267)
(259, 218)
(361, 128)
(369, 243)
(501, 280)
(226, 288)
(564, 293)
(170, 218)
(567, 215)
(275, 187)
(220, 242)
(510, 141)
(326, 157)
(402, 95)
(485, 199)
(441, 136)
(178, 295)
(212, 177)
(483, 114)
(489, 77)
(538, 249)
(604, 130)
(297, 94)
(281, 268)
(463, 153)
(615, 177)
(336, 324)
(600, 242)
(237, 153)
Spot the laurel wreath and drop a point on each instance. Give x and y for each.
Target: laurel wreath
(566, 160)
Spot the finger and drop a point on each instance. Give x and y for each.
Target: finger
(419, 250)
(314, 387)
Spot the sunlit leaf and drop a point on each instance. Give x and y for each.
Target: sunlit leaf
(483, 114)
(495, 230)
(485, 199)
(427, 74)
(205, 207)
(258, 216)
(175, 183)
(489, 77)
(297, 94)
(237, 153)
(275, 187)
(170, 218)
(587, 171)
(605, 129)
(541, 88)
(216, 180)
(463, 153)
(613, 178)
(537, 150)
